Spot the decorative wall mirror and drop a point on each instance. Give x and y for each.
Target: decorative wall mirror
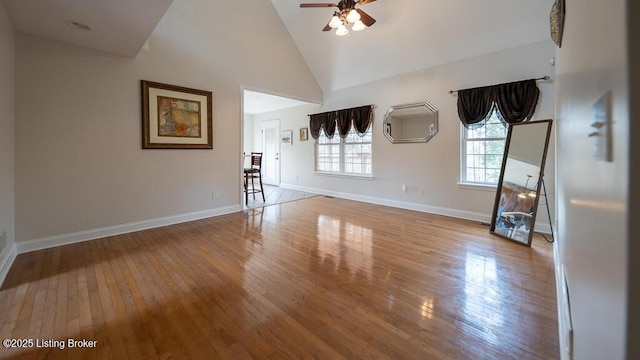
(518, 194)
(411, 123)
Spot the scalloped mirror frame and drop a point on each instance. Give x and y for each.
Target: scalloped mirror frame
(410, 123)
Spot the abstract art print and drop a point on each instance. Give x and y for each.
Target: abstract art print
(175, 117)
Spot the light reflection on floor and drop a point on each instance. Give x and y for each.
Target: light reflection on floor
(483, 303)
(426, 309)
(340, 255)
(345, 244)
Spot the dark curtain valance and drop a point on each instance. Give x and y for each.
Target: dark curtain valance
(316, 122)
(516, 102)
(360, 117)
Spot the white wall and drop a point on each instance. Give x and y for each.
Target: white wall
(434, 166)
(248, 136)
(592, 195)
(79, 162)
(7, 123)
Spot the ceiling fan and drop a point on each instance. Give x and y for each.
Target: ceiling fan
(347, 14)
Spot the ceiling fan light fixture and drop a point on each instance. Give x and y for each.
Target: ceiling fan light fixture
(358, 25)
(335, 21)
(342, 30)
(346, 15)
(353, 16)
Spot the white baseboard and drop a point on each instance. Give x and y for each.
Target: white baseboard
(58, 240)
(565, 326)
(6, 260)
(460, 214)
(64, 239)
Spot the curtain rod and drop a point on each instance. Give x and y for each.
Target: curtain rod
(373, 106)
(544, 78)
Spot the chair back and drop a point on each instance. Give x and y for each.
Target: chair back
(256, 160)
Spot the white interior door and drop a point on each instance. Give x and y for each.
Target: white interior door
(271, 152)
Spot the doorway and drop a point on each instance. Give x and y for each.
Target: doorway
(263, 135)
(264, 117)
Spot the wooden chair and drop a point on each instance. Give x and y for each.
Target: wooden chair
(254, 171)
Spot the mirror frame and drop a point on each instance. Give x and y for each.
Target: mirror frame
(494, 214)
(425, 104)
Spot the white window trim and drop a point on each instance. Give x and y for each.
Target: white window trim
(345, 175)
(478, 186)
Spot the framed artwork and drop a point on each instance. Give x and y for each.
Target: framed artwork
(287, 137)
(556, 21)
(175, 117)
(602, 136)
(304, 134)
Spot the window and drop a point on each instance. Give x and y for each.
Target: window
(349, 156)
(482, 150)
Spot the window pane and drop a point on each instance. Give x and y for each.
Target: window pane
(484, 148)
(495, 147)
(476, 147)
(476, 133)
(493, 176)
(494, 161)
(352, 154)
(496, 131)
(357, 158)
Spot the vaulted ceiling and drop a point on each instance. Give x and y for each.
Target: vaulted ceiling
(409, 35)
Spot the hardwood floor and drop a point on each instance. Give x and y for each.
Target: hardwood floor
(316, 278)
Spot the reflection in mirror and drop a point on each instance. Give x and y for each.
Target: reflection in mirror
(520, 182)
(411, 123)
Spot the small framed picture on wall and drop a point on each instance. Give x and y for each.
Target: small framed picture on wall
(304, 134)
(287, 137)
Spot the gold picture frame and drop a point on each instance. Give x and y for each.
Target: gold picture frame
(304, 134)
(176, 117)
(556, 21)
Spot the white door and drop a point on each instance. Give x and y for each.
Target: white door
(271, 152)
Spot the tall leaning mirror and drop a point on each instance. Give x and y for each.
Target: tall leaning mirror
(518, 193)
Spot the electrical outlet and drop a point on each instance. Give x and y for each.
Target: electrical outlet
(214, 195)
(421, 191)
(404, 188)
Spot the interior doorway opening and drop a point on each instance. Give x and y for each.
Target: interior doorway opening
(262, 128)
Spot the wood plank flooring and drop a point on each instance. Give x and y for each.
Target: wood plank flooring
(316, 278)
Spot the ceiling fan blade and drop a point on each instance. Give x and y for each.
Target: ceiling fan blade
(364, 2)
(314, 5)
(365, 18)
(327, 28)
